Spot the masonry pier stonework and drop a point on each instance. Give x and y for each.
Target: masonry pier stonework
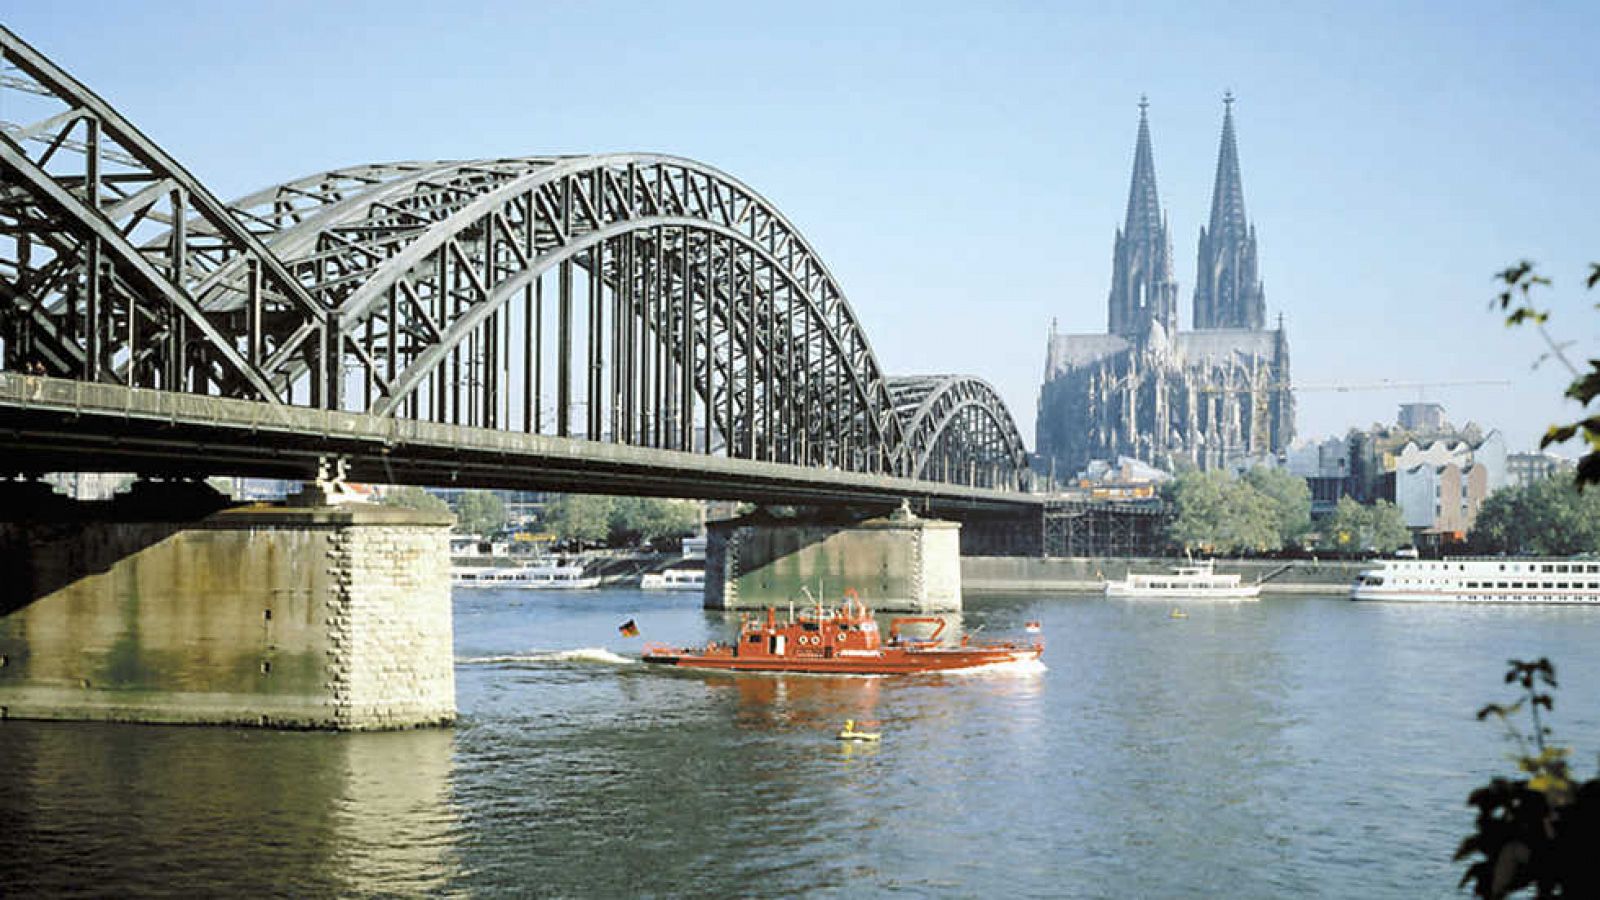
(894, 563)
(166, 605)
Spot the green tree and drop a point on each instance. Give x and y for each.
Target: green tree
(1539, 831)
(1290, 497)
(480, 512)
(1551, 517)
(1354, 528)
(634, 519)
(1516, 301)
(1387, 529)
(413, 497)
(578, 517)
(1217, 513)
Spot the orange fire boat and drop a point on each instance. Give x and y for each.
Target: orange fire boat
(842, 641)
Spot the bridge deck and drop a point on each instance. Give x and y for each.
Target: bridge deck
(53, 424)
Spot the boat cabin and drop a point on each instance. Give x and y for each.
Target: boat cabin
(817, 631)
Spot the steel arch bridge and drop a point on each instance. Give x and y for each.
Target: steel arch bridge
(625, 300)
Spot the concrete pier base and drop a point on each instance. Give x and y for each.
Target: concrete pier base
(165, 605)
(895, 563)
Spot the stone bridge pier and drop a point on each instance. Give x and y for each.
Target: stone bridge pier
(167, 604)
(895, 563)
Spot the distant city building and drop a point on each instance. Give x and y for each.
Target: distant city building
(88, 485)
(1422, 416)
(1440, 486)
(1128, 479)
(1529, 468)
(1149, 391)
(1363, 465)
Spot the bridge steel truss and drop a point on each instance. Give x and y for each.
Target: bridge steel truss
(627, 299)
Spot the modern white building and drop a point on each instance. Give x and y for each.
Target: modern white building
(1439, 486)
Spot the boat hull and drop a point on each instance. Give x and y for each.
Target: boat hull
(1119, 591)
(889, 662)
(1569, 598)
(566, 584)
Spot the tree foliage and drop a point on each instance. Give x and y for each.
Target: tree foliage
(1516, 301)
(1551, 517)
(1290, 497)
(578, 517)
(1537, 831)
(480, 512)
(1217, 513)
(413, 497)
(635, 519)
(620, 520)
(1354, 528)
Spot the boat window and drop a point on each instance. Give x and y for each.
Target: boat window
(755, 638)
(1545, 567)
(1561, 568)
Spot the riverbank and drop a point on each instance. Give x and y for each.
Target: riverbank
(1085, 574)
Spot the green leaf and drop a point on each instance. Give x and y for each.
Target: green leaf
(1557, 434)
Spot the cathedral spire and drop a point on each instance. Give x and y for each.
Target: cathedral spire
(1227, 192)
(1144, 203)
(1143, 292)
(1227, 291)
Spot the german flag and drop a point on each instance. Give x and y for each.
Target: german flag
(629, 628)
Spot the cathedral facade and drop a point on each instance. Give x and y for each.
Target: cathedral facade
(1207, 397)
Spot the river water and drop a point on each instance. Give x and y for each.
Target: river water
(1291, 747)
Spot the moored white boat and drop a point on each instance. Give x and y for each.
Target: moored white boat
(1572, 581)
(553, 577)
(1197, 581)
(674, 580)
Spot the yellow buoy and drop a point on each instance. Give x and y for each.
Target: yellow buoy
(851, 734)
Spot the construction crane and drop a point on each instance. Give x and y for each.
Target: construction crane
(1347, 387)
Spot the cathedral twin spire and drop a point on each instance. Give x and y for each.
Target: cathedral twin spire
(1228, 291)
(1144, 295)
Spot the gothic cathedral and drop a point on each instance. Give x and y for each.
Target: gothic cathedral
(1212, 397)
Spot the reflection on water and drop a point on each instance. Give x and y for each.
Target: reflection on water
(394, 822)
(1289, 747)
(97, 808)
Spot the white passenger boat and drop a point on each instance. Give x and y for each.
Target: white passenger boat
(1481, 581)
(1197, 581)
(674, 580)
(553, 577)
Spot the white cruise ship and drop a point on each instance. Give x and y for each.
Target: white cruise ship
(545, 577)
(1198, 581)
(1481, 581)
(674, 580)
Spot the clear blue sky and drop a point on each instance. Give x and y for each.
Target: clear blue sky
(962, 166)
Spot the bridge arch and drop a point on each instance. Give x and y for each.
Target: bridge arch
(636, 299)
(729, 311)
(958, 429)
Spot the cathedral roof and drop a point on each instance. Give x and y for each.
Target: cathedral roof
(1189, 348)
(1222, 344)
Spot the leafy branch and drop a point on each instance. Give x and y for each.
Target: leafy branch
(1516, 300)
(1540, 830)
